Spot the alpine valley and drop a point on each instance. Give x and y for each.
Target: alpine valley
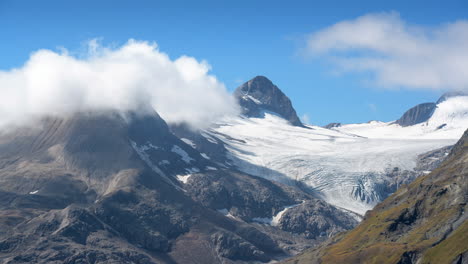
(113, 187)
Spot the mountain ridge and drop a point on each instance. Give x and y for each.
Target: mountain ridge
(120, 188)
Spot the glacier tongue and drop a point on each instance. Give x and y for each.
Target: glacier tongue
(347, 170)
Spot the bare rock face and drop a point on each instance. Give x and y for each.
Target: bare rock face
(252, 199)
(260, 94)
(316, 219)
(234, 247)
(417, 114)
(332, 125)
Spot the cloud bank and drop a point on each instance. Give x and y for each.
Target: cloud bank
(396, 53)
(123, 79)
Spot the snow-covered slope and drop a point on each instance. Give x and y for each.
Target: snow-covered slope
(352, 166)
(449, 120)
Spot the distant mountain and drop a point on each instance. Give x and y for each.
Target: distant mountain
(423, 222)
(417, 114)
(423, 112)
(260, 94)
(446, 119)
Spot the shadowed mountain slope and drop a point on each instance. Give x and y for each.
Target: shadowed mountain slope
(113, 188)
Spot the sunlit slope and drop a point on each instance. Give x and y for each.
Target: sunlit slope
(350, 171)
(424, 222)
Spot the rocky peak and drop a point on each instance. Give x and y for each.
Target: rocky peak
(260, 94)
(423, 112)
(332, 125)
(417, 114)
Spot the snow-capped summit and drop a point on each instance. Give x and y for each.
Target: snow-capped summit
(423, 112)
(446, 119)
(260, 95)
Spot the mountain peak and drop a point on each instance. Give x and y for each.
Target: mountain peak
(423, 112)
(260, 94)
(261, 78)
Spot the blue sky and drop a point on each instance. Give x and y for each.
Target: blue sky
(239, 39)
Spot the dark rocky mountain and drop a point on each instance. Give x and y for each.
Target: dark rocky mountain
(423, 112)
(260, 94)
(418, 114)
(113, 188)
(423, 222)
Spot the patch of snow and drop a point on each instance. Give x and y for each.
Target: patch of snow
(276, 219)
(209, 138)
(145, 157)
(148, 146)
(205, 156)
(164, 162)
(34, 192)
(226, 213)
(426, 172)
(188, 142)
(183, 178)
(179, 151)
(255, 100)
(140, 150)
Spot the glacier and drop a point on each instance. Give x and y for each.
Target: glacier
(349, 166)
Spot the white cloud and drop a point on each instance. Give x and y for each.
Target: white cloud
(396, 53)
(125, 78)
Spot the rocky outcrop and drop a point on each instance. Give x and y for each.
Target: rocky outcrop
(253, 199)
(418, 114)
(234, 247)
(260, 94)
(332, 125)
(316, 219)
